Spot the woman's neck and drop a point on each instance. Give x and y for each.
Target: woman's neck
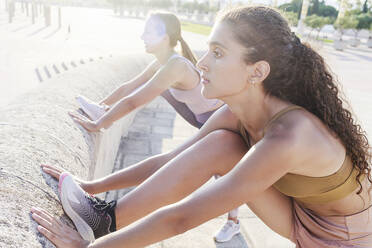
(255, 112)
(164, 56)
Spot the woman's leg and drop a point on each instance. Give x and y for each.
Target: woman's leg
(217, 153)
(275, 210)
(230, 228)
(233, 214)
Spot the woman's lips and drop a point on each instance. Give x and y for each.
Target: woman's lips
(204, 80)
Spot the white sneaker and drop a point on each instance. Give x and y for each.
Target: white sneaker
(229, 230)
(92, 109)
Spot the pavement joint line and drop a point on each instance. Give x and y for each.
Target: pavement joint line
(64, 66)
(56, 69)
(47, 72)
(38, 75)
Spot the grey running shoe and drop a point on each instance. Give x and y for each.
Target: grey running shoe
(92, 217)
(92, 109)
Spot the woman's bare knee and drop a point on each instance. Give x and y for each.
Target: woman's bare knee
(227, 139)
(275, 210)
(228, 146)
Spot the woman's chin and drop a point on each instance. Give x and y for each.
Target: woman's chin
(207, 94)
(149, 49)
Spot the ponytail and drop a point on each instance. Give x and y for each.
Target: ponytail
(187, 52)
(173, 29)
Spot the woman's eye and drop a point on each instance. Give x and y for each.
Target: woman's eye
(216, 53)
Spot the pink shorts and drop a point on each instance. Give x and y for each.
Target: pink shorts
(314, 231)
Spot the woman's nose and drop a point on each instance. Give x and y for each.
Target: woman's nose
(201, 64)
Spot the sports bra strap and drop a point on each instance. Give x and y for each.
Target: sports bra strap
(278, 115)
(176, 55)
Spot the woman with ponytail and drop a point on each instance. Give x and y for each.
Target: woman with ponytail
(171, 75)
(284, 143)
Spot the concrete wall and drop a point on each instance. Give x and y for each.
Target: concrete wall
(35, 129)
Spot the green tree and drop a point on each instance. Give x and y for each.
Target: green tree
(317, 23)
(365, 8)
(327, 11)
(291, 17)
(316, 8)
(294, 6)
(344, 23)
(364, 20)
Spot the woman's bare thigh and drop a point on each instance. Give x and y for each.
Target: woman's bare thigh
(275, 210)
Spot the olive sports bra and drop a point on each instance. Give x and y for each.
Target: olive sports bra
(313, 189)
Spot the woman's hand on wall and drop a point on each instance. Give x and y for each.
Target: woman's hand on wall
(60, 234)
(89, 125)
(55, 171)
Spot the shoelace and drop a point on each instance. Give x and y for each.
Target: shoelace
(226, 226)
(100, 205)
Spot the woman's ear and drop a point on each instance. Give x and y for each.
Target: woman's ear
(260, 72)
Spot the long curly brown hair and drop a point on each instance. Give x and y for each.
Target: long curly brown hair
(298, 75)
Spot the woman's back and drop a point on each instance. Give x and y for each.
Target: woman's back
(326, 166)
(190, 91)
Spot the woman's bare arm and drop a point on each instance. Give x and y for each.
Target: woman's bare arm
(139, 172)
(128, 87)
(173, 72)
(134, 175)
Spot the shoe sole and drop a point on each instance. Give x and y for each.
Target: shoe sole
(83, 228)
(226, 240)
(84, 106)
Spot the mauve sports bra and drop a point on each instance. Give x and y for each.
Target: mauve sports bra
(314, 189)
(193, 98)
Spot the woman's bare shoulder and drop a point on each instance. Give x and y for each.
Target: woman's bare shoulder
(223, 118)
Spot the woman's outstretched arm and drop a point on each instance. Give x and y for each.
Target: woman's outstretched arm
(162, 80)
(139, 172)
(128, 87)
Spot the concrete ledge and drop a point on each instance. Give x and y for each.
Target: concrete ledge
(35, 129)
